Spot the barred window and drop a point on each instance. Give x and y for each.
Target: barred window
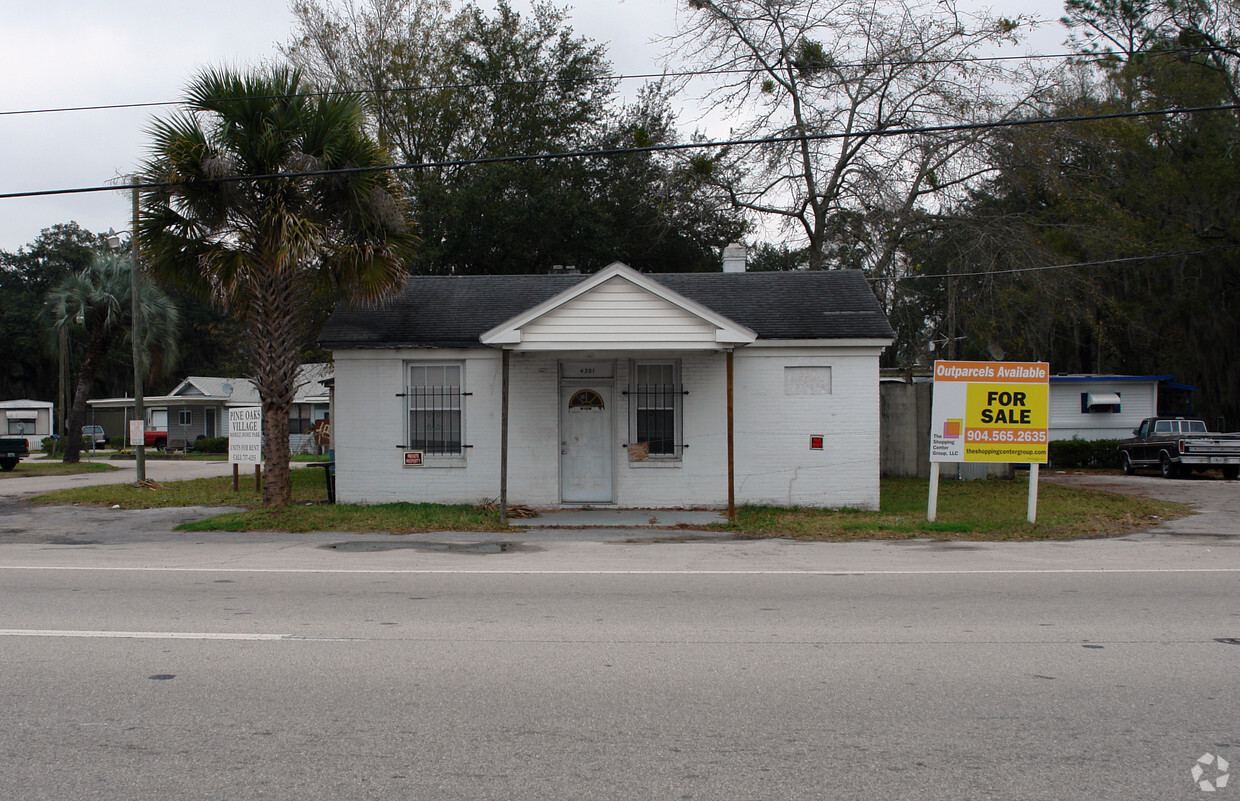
(654, 402)
(435, 409)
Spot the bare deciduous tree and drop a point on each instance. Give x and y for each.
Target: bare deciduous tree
(846, 92)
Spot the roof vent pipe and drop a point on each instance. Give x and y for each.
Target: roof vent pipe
(734, 257)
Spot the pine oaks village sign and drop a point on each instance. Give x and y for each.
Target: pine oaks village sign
(989, 412)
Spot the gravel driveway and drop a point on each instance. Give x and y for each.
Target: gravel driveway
(1216, 500)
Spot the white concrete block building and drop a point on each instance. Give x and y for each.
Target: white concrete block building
(618, 388)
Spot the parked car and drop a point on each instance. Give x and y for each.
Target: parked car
(1178, 445)
(93, 436)
(155, 439)
(12, 451)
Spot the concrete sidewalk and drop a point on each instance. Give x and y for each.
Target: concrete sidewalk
(620, 518)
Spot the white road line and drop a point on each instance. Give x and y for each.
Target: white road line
(159, 635)
(621, 572)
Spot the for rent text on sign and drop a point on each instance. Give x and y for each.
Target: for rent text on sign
(989, 412)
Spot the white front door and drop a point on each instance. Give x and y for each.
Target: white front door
(159, 420)
(585, 440)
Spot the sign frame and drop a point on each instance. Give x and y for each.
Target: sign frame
(994, 412)
(137, 433)
(245, 434)
(989, 412)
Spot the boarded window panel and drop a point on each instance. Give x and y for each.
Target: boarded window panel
(807, 380)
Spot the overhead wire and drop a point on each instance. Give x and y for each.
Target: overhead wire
(613, 152)
(1095, 263)
(538, 81)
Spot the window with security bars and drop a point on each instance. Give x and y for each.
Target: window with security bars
(436, 404)
(654, 403)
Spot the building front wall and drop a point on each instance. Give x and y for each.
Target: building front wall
(1139, 400)
(186, 423)
(776, 413)
(775, 419)
(33, 430)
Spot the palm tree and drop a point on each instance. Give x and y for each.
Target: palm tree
(272, 194)
(99, 299)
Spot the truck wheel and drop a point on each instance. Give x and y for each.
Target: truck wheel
(1126, 463)
(7, 464)
(1169, 470)
(1231, 471)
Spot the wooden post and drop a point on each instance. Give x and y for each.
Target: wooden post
(258, 479)
(503, 440)
(236, 477)
(731, 454)
(1033, 492)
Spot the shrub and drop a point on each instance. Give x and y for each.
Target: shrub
(211, 445)
(51, 446)
(1084, 453)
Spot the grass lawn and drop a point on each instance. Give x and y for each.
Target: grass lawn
(309, 511)
(968, 510)
(50, 468)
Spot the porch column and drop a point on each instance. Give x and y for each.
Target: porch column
(731, 460)
(503, 437)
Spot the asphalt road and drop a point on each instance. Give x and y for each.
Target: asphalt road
(141, 664)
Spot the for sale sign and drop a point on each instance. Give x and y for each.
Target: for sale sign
(990, 412)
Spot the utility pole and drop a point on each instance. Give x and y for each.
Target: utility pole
(62, 429)
(135, 329)
(951, 319)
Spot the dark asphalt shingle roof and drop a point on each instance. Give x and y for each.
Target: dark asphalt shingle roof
(454, 311)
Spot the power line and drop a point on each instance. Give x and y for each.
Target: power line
(878, 132)
(540, 81)
(1097, 263)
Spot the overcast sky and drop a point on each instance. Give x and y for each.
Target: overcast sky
(64, 53)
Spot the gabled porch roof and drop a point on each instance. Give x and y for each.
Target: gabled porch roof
(618, 308)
